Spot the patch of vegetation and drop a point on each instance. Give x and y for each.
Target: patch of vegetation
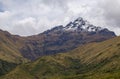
(5, 67)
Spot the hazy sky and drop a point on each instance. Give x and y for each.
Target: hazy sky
(28, 17)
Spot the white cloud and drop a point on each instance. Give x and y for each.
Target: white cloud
(111, 10)
(4, 19)
(26, 26)
(28, 17)
(4, 15)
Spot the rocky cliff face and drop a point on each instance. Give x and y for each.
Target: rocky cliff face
(64, 38)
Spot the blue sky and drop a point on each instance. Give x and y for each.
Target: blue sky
(29, 17)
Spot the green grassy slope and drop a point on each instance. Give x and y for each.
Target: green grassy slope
(9, 48)
(10, 56)
(90, 61)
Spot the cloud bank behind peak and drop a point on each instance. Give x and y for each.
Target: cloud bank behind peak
(28, 17)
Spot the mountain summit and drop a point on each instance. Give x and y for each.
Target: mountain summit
(81, 25)
(64, 38)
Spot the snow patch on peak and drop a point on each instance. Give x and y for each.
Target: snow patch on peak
(82, 25)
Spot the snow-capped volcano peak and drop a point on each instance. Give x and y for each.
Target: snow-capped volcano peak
(81, 25)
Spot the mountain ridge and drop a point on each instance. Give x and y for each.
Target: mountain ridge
(16, 50)
(78, 25)
(58, 39)
(98, 61)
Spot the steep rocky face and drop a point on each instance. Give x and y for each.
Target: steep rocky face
(64, 38)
